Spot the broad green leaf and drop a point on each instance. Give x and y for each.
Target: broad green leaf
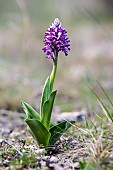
(30, 112)
(57, 131)
(45, 94)
(47, 109)
(38, 131)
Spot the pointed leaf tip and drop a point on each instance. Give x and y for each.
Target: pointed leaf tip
(45, 94)
(30, 112)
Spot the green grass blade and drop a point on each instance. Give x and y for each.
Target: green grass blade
(38, 131)
(47, 110)
(105, 94)
(30, 112)
(57, 131)
(108, 114)
(45, 94)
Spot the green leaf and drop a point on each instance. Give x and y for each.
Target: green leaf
(57, 131)
(45, 94)
(82, 164)
(38, 131)
(47, 109)
(30, 112)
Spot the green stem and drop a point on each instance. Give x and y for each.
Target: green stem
(53, 73)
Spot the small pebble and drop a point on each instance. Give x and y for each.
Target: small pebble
(53, 159)
(40, 151)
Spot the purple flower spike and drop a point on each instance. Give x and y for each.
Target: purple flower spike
(56, 40)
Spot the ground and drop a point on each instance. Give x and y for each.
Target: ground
(88, 147)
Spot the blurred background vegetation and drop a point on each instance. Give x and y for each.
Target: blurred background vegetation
(23, 67)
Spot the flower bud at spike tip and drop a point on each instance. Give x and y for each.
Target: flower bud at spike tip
(56, 40)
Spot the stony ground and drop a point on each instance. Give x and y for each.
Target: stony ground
(19, 151)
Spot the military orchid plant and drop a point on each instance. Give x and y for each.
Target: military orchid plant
(55, 40)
